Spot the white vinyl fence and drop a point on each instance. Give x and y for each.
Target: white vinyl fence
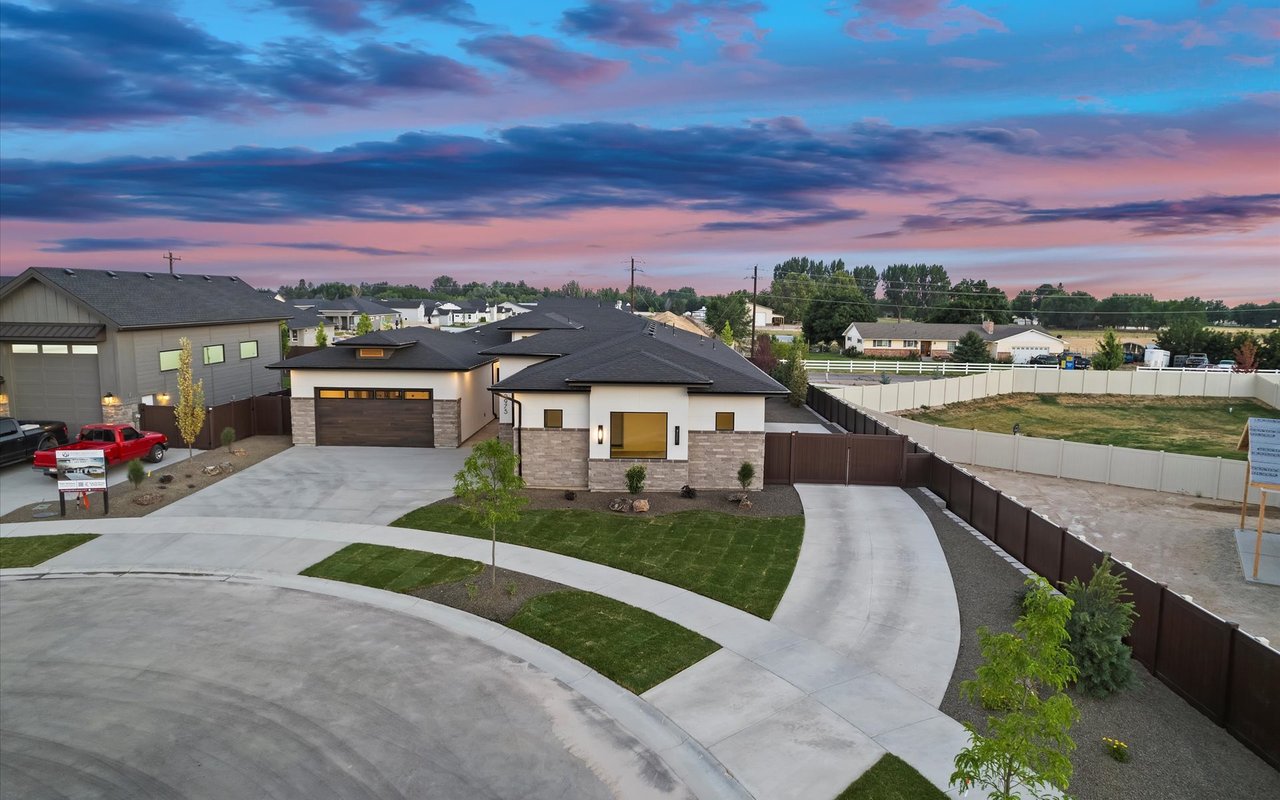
(1201, 476)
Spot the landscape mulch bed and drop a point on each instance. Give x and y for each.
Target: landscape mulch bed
(188, 478)
(772, 501)
(1176, 751)
(499, 604)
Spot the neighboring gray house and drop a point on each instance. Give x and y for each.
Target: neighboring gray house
(343, 315)
(88, 346)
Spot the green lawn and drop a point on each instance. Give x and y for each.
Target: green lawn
(27, 551)
(891, 778)
(745, 562)
(391, 568)
(628, 645)
(1198, 426)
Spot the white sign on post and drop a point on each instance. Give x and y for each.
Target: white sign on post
(81, 470)
(1264, 450)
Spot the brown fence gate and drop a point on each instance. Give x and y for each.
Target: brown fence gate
(264, 415)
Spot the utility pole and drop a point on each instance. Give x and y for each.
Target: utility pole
(633, 285)
(170, 257)
(755, 280)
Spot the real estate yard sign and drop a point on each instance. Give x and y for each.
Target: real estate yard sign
(1262, 439)
(81, 470)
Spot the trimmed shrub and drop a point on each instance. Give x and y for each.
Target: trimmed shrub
(746, 473)
(635, 479)
(1100, 619)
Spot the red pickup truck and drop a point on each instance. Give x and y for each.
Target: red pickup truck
(120, 442)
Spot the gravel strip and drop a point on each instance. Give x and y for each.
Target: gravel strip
(1176, 751)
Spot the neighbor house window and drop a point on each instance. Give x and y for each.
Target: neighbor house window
(55, 349)
(635, 434)
(910, 343)
(881, 342)
(26, 348)
(249, 349)
(214, 354)
(293, 336)
(724, 420)
(84, 349)
(553, 418)
(169, 359)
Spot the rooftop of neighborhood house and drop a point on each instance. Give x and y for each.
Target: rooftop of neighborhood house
(938, 330)
(127, 299)
(568, 313)
(351, 304)
(650, 354)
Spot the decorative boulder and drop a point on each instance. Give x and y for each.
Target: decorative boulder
(226, 467)
(212, 469)
(744, 503)
(165, 479)
(640, 506)
(620, 504)
(688, 492)
(737, 497)
(145, 499)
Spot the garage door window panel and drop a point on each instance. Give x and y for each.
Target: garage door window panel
(26, 348)
(638, 434)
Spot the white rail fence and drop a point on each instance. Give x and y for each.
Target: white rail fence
(1201, 476)
(956, 368)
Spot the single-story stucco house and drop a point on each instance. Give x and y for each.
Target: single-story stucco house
(581, 391)
(1016, 343)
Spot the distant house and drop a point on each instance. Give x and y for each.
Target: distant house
(343, 315)
(1016, 343)
(412, 312)
(88, 346)
(765, 316)
(304, 325)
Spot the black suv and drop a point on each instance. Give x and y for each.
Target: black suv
(1044, 359)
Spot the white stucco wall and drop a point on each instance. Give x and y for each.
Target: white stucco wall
(674, 400)
(508, 366)
(748, 411)
(477, 402)
(575, 405)
(1029, 339)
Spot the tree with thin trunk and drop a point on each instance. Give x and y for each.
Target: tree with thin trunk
(1109, 354)
(797, 376)
(284, 339)
(322, 338)
(1025, 747)
(189, 412)
(489, 489)
(364, 324)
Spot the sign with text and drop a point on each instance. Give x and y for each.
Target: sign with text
(1264, 450)
(81, 470)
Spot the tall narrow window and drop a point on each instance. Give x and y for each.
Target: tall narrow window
(553, 418)
(724, 420)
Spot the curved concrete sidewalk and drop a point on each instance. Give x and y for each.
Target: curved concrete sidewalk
(790, 706)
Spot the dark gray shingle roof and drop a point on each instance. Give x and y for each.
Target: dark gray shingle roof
(413, 348)
(157, 299)
(938, 331)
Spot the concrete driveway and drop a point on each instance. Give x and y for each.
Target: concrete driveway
(371, 485)
(20, 485)
(145, 687)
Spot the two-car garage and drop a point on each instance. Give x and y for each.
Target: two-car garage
(375, 417)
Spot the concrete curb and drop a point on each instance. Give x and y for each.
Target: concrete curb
(687, 758)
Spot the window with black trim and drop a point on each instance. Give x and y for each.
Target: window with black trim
(553, 418)
(249, 349)
(637, 434)
(724, 420)
(214, 354)
(169, 360)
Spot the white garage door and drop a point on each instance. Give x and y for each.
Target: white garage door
(1024, 353)
(56, 381)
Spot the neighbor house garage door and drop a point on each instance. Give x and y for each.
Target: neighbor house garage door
(374, 417)
(1024, 353)
(55, 381)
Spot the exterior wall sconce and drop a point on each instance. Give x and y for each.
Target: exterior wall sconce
(599, 434)
(110, 399)
(677, 434)
(163, 398)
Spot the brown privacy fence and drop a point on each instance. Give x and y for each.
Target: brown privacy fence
(1223, 672)
(264, 415)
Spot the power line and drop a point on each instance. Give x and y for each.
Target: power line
(1134, 313)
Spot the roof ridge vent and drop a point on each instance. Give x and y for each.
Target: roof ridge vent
(111, 274)
(177, 277)
(68, 271)
(148, 276)
(208, 279)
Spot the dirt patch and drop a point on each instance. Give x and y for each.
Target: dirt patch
(477, 594)
(772, 501)
(185, 478)
(1175, 539)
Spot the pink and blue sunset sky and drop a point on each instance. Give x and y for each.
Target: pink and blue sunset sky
(1116, 147)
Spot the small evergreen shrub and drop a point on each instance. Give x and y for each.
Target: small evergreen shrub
(228, 436)
(635, 479)
(137, 472)
(1100, 619)
(746, 473)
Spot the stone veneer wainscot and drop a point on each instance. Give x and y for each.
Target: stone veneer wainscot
(715, 456)
(554, 458)
(445, 417)
(303, 412)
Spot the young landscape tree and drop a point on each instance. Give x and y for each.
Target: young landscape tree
(764, 357)
(489, 489)
(322, 338)
(971, 349)
(284, 339)
(797, 376)
(1100, 619)
(189, 411)
(1025, 748)
(364, 324)
(1109, 354)
(726, 333)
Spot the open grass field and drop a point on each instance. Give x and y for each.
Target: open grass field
(745, 562)
(1197, 426)
(28, 551)
(628, 645)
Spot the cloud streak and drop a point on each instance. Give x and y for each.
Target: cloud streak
(89, 244)
(337, 247)
(543, 59)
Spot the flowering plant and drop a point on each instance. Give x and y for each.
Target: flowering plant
(1116, 749)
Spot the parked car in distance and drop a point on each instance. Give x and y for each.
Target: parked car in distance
(1197, 361)
(120, 443)
(1074, 361)
(21, 438)
(1044, 359)
(1178, 362)
(1225, 365)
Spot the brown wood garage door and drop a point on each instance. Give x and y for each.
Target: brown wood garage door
(374, 417)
